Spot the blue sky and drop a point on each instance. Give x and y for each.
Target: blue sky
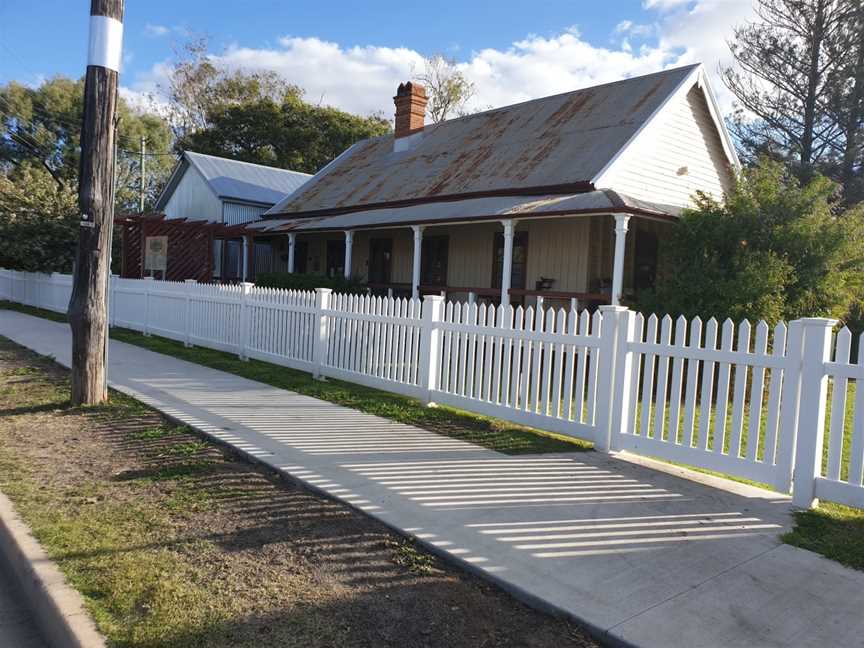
(351, 53)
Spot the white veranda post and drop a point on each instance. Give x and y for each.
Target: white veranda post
(247, 244)
(418, 250)
(507, 265)
(292, 241)
(349, 243)
(621, 227)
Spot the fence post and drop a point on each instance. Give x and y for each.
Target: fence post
(430, 346)
(243, 342)
(608, 397)
(621, 421)
(319, 350)
(809, 435)
(147, 282)
(187, 320)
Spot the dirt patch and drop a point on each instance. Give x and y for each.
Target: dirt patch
(174, 542)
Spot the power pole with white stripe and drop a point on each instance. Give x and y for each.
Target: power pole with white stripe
(87, 312)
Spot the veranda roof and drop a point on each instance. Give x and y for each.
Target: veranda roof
(603, 201)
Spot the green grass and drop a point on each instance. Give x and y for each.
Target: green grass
(139, 594)
(488, 432)
(833, 530)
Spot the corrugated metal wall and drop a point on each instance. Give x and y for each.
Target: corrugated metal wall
(193, 199)
(238, 213)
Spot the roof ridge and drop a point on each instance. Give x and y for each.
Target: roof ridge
(689, 66)
(254, 164)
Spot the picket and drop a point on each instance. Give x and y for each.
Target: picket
(545, 367)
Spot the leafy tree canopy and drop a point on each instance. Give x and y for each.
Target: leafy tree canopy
(775, 250)
(42, 127)
(292, 134)
(38, 221)
(257, 116)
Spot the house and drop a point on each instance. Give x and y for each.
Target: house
(200, 214)
(563, 197)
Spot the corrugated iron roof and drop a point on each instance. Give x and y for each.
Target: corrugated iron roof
(236, 180)
(246, 181)
(560, 140)
(473, 209)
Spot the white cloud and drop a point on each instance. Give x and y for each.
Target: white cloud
(155, 31)
(701, 30)
(636, 29)
(665, 4)
(363, 79)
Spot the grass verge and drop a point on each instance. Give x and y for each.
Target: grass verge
(833, 530)
(175, 543)
(488, 432)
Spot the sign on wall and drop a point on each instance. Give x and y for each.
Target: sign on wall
(156, 254)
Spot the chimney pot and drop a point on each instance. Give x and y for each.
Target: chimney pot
(410, 103)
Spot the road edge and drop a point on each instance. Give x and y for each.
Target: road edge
(57, 609)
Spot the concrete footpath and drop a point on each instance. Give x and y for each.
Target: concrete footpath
(638, 555)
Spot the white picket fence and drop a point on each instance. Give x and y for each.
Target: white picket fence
(775, 406)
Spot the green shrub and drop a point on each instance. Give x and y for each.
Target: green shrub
(294, 281)
(775, 250)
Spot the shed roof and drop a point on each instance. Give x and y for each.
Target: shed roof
(236, 180)
(563, 141)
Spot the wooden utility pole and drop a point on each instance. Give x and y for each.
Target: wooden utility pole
(87, 313)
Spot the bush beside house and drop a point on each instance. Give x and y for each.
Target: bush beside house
(775, 250)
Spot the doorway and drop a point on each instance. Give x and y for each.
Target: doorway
(380, 260)
(335, 259)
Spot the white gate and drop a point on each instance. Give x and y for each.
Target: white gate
(714, 407)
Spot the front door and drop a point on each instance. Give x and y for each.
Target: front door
(380, 260)
(301, 255)
(335, 259)
(433, 261)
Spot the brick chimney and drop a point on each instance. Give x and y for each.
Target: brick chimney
(410, 103)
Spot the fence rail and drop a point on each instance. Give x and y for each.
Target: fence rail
(779, 406)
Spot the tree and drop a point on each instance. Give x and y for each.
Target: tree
(784, 66)
(847, 106)
(448, 89)
(293, 134)
(774, 250)
(38, 221)
(42, 126)
(198, 87)
(256, 116)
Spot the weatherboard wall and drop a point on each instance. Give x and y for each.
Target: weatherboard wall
(675, 156)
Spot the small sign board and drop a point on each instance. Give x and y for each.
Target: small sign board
(156, 253)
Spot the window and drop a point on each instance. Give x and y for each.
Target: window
(233, 257)
(217, 258)
(433, 261)
(520, 260)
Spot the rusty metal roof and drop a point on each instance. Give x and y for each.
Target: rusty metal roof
(565, 139)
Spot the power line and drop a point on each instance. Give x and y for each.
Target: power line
(67, 122)
(124, 138)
